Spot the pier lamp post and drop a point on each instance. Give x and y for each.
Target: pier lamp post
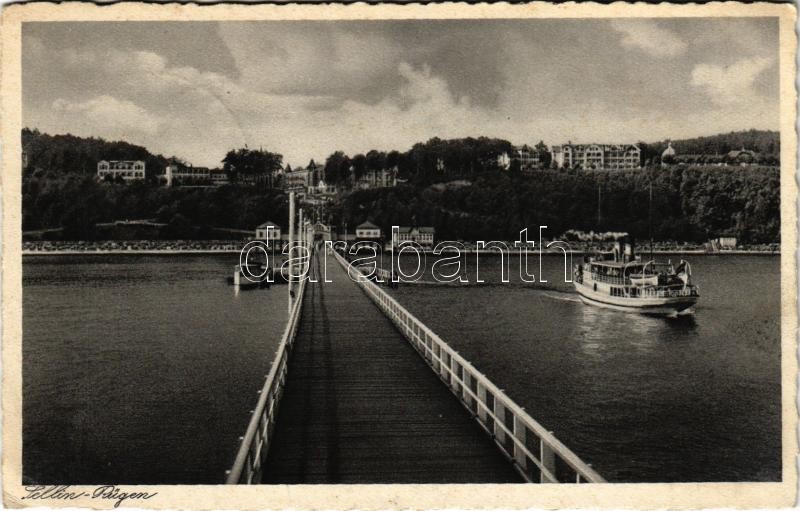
(291, 240)
(300, 229)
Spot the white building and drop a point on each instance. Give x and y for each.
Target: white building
(529, 159)
(219, 177)
(268, 232)
(597, 156)
(504, 161)
(377, 179)
(175, 174)
(422, 235)
(126, 169)
(668, 153)
(297, 180)
(368, 232)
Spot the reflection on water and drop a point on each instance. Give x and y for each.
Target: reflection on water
(690, 398)
(596, 327)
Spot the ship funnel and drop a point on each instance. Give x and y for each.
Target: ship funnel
(684, 272)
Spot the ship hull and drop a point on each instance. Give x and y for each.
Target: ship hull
(653, 306)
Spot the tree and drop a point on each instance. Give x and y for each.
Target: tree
(251, 163)
(179, 227)
(546, 155)
(359, 163)
(68, 154)
(393, 159)
(337, 168)
(376, 160)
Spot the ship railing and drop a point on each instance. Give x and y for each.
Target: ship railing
(253, 446)
(608, 279)
(669, 293)
(535, 452)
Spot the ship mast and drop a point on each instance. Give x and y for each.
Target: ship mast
(650, 215)
(599, 206)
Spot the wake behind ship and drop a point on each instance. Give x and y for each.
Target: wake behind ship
(621, 280)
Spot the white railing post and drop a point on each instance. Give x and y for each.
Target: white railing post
(499, 420)
(453, 371)
(519, 453)
(465, 387)
(481, 405)
(548, 460)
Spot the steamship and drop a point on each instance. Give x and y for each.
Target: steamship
(621, 280)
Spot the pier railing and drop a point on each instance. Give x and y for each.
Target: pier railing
(254, 444)
(537, 455)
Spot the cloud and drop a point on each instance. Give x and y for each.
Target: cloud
(149, 61)
(728, 85)
(649, 37)
(309, 58)
(305, 90)
(111, 115)
(424, 106)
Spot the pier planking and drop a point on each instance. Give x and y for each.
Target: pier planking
(361, 407)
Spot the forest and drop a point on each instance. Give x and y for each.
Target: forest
(452, 185)
(57, 155)
(425, 163)
(760, 141)
(688, 204)
(76, 203)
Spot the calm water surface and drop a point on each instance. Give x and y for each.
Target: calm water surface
(143, 369)
(140, 369)
(696, 398)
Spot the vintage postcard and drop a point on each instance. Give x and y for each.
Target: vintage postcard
(399, 256)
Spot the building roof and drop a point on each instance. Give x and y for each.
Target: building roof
(426, 230)
(734, 154)
(570, 146)
(669, 151)
(268, 224)
(367, 225)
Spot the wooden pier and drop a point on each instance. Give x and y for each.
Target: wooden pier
(362, 392)
(360, 406)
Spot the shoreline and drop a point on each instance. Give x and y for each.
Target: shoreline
(159, 251)
(210, 251)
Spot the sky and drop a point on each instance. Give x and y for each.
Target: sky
(306, 89)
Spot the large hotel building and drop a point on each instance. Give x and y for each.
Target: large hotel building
(597, 156)
(126, 169)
